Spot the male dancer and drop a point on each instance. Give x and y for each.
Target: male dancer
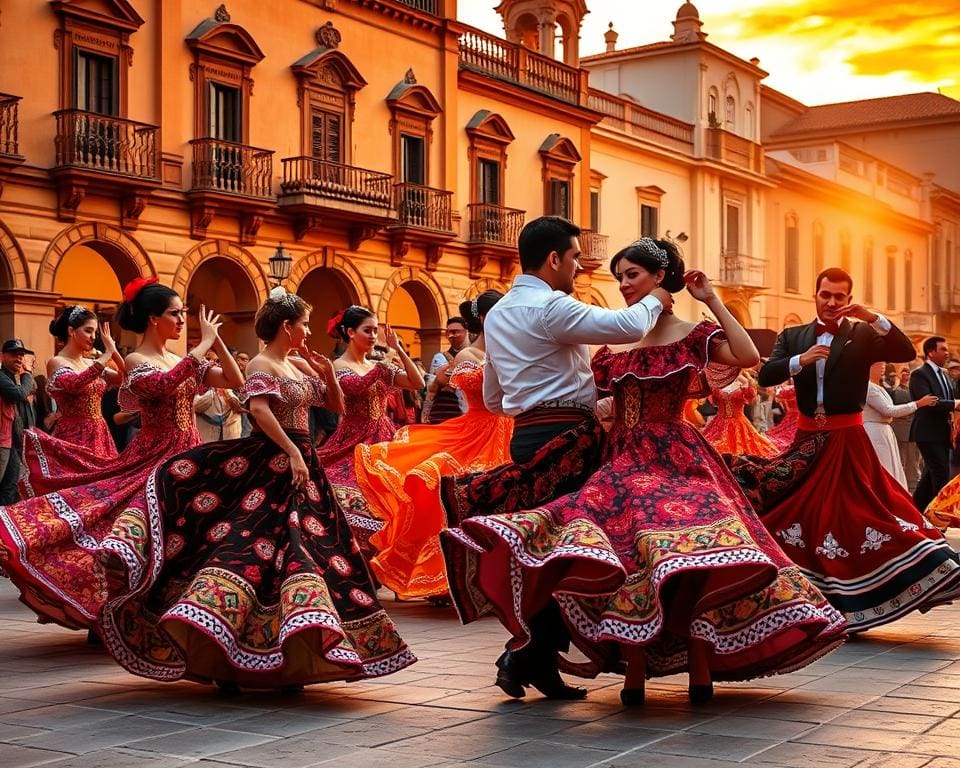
(833, 508)
(538, 370)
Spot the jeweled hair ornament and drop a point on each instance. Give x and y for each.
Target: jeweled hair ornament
(475, 308)
(280, 295)
(75, 313)
(648, 246)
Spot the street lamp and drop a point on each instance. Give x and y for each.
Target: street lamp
(280, 264)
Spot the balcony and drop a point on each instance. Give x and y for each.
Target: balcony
(10, 156)
(493, 232)
(314, 190)
(918, 324)
(424, 217)
(629, 117)
(734, 150)
(106, 155)
(497, 58)
(427, 6)
(738, 270)
(231, 179)
(593, 250)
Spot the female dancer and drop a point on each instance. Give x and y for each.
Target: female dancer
(400, 479)
(879, 413)
(259, 582)
(81, 440)
(366, 386)
(52, 546)
(730, 431)
(782, 434)
(657, 563)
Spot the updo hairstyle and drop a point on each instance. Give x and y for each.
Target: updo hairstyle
(151, 300)
(474, 311)
(654, 255)
(71, 317)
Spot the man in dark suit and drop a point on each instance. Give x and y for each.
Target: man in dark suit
(830, 358)
(931, 426)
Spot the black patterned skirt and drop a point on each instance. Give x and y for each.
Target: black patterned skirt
(257, 584)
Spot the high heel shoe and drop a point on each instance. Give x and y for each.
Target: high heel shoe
(632, 697)
(700, 694)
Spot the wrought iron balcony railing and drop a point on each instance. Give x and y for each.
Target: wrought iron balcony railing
(593, 249)
(494, 224)
(740, 269)
(106, 144)
(224, 166)
(336, 181)
(9, 125)
(424, 207)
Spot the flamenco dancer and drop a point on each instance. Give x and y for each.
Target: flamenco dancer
(259, 582)
(849, 525)
(400, 479)
(366, 387)
(81, 441)
(54, 546)
(538, 371)
(657, 563)
(730, 431)
(783, 434)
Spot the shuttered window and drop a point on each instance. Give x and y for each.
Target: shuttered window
(326, 136)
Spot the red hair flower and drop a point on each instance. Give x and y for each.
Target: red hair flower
(332, 331)
(136, 285)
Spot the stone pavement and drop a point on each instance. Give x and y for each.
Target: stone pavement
(888, 700)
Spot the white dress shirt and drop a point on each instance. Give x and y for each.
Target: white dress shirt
(537, 345)
(881, 325)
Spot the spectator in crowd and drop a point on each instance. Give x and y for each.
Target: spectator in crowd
(17, 394)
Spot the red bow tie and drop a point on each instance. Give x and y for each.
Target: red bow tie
(832, 328)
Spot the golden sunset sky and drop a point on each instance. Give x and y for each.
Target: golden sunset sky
(817, 51)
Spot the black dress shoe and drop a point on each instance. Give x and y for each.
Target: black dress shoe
(510, 677)
(551, 685)
(700, 694)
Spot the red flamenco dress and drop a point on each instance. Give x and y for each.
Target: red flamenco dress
(365, 421)
(850, 526)
(52, 546)
(401, 482)
(657, 548)
(783, 434)
(81, 441)
(730, 431)
(256, 583)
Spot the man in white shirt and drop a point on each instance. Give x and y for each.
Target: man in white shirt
(538, 370)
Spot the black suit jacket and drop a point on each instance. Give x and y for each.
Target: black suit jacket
(931, 424)
(855, 347)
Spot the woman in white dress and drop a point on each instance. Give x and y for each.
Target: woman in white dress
(878, 414)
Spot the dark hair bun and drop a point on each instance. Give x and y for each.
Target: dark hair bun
(654, 255)
(151, 301)
(351, 319)
(72, 316)
(475, 310)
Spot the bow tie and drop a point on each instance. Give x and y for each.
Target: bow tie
(833, 328)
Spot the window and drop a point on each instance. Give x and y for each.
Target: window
(489, 138)
(595, 210)
(818, 252)
(731, 236)
(96, 83)
(730, 114)
(559, 199)
(792, 255)
(224, 113)
(748, 122)
(413, 109)
(713, 108)
(649, 224)
(326, 136)
(868, 272)
(413, 159)
(488, 177)
(560, 157)
(891, 277)
(907, 280)
(845, 251)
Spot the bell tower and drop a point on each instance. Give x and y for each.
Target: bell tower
(538, 24)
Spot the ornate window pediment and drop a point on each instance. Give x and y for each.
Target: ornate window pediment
(118, 15)
(560, 157)
(224, 40)
(489, 126)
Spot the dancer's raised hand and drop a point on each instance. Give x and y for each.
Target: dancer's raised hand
(210, 323)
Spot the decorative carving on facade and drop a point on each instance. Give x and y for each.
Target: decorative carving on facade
(328, 36)
(221, 14)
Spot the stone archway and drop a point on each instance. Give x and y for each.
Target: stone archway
(484, 284)
(14, 272)
(328, 291)
(414, 304)
(227, 279)
(124, 254)
(326, 258)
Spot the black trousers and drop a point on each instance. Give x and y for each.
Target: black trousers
(936, 472)
(9, 493)
(547, 630)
